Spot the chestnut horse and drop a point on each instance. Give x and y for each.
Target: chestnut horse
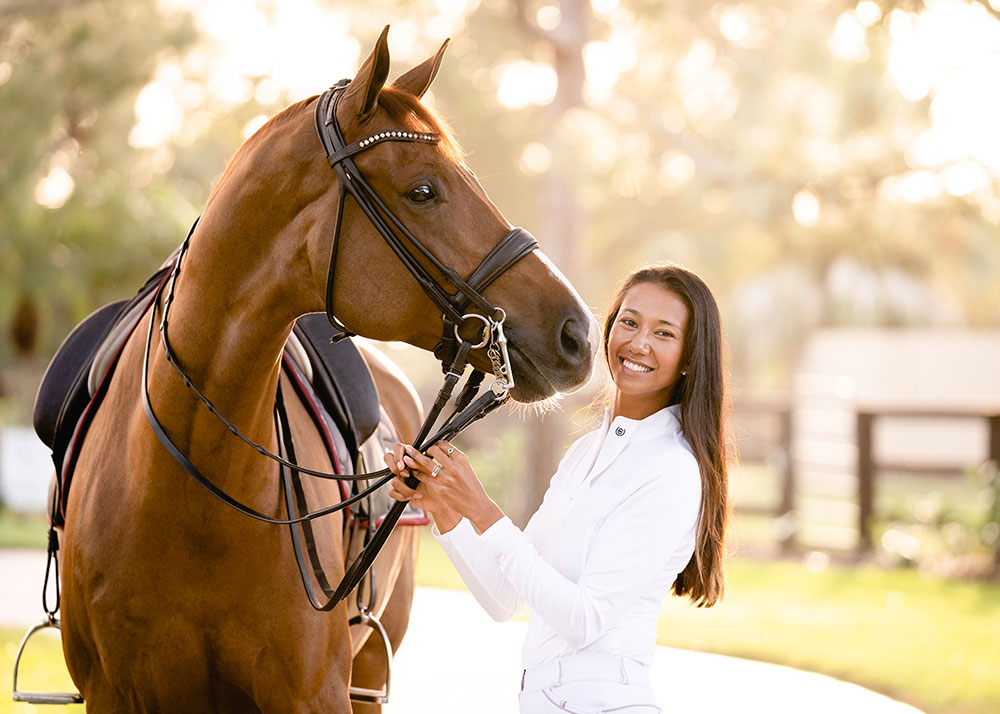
(174, 602)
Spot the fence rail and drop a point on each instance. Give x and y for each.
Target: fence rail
(859, 483)
(869, 465)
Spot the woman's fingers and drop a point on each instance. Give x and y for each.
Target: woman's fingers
(400, 491)
(442, 451)
(415, 460)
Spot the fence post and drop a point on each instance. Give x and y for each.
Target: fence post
(993, 421)
(994, 424)
(788, 486)
(866, 479)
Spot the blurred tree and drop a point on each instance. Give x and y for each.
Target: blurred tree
(772, 146)
(83, 212)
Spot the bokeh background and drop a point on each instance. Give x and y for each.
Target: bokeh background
(829, 167)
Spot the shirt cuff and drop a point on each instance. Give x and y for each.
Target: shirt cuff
(501, 538)
(461, 533)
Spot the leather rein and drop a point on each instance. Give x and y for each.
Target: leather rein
(453, 350)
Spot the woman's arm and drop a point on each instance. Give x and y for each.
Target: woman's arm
(631, 549)
(478, 570)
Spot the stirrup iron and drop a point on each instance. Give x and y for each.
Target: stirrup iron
(362, 694)
(41, 697)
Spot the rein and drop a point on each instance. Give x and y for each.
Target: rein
(453, 350)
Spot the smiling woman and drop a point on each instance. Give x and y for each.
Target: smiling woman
(636, 509)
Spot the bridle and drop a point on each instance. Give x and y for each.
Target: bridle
(511, 248)
(453, 349)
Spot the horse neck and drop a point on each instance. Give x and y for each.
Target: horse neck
(241, 286)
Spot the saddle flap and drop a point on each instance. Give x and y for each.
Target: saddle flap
(341, 380)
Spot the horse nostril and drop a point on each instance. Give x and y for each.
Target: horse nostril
(574, 343)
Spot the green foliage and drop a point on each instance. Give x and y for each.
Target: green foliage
(72, 74)
(18, 530)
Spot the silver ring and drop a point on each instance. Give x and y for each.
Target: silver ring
(436, 471)
(487, 326)
(450, 451)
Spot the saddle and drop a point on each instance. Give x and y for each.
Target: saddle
(77, 378)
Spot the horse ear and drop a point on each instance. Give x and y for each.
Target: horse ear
(360, 97)
(418, 79)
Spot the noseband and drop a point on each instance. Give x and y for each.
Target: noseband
(453, 350)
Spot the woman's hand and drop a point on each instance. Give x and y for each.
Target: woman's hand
(447, 477)
(443, 516)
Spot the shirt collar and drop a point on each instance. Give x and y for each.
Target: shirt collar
(665, 421)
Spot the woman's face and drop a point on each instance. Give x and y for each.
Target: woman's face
(644, 349)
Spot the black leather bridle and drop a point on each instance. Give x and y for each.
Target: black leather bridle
(512, 247)
(453, 350)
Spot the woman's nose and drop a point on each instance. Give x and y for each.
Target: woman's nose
(640, 342)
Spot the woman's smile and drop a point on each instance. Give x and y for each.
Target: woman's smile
(634, 366)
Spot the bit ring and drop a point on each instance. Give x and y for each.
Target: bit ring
(487, 328)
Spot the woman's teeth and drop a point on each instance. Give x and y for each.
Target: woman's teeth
(635, 367)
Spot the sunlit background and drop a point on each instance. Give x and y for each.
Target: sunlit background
(830, 168)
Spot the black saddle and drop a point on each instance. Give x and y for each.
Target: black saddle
(70, 394)
(63, 394)
(341, 380)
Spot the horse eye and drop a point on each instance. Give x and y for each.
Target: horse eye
(421, 194)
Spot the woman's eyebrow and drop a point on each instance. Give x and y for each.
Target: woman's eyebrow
(639, 314)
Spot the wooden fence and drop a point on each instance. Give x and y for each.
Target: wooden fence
(774, 446)
(869, 464)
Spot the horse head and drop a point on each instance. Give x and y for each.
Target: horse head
(433, 193)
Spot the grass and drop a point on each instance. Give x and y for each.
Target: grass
(18, 530)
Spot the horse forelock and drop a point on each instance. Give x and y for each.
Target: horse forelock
(407, 109)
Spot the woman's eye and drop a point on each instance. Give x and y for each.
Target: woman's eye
(421, 194)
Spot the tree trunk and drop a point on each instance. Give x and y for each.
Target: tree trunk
(561, 222)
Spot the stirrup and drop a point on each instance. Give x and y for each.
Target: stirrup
(41, 697)
(362, 694)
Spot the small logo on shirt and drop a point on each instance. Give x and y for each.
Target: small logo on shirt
(620, 431)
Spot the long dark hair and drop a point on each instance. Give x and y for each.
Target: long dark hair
(705, 407)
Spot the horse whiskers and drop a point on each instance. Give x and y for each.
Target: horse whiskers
(536, 409)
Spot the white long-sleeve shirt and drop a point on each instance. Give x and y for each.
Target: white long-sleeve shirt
(616, 526)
